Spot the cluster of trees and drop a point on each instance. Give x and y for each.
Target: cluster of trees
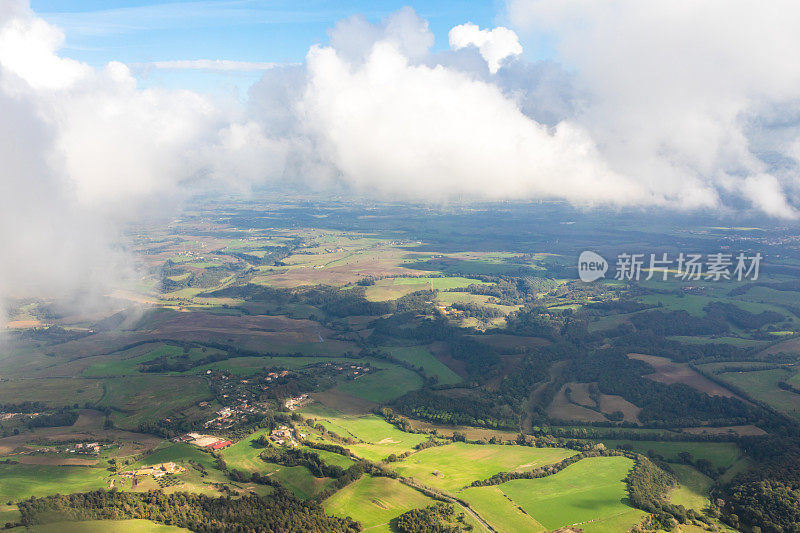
(473, 310)
(61, 417)
(769, 504)
(768, 495)
(280, 511)
(300, 457)
(438, 518)
(207, 278)
(52, 334)
(626, 338)
(741, 318)
(789, 387)
(472, 410)
(679, 323)
(648, 488)
(532, 323)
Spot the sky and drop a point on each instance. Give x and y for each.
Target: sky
(142, 32)
(114, 111)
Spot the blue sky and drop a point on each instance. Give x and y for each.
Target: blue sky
(136, 31)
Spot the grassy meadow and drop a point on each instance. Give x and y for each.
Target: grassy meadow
(380, 439)
(375, 501)
(452, 467)
(591, 490)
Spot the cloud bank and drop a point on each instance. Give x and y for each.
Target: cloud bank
(673, 104)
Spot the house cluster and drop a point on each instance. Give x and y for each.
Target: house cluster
(204, 441)
(228, 416)
(88, 448)
(9, 416)
(158, 470)
(283, 436)
(276, 375)
(297, 402)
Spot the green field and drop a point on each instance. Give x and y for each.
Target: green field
(126, 363)
(502, 514)
(422, 357)
(151, 397)
(694, 304)
(298, 479)
(19, 481)
(381, 439)
(384, 385)
(734, 341)
(332, 458)
(590, 490)
(247, 366)
(393, 288)
(721, 454)
(178, 453)
(55, 392)
(763, 385)
(693, 490)
(375, 501)
(455, 466)
(244, 455)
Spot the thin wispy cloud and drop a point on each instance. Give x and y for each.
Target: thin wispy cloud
(210, 65)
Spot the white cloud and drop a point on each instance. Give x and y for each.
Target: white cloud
(212, 65)
(679, 92)
(495, 45)
(430, 133)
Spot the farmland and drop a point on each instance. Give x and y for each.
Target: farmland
(375, 501)
(591, 490)
(453, 467)
(379, 439)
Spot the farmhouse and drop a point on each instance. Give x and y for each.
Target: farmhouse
(283, 435)
(157, 470)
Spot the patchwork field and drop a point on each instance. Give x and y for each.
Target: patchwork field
(455, 466)
(562, 409)
(591, 490)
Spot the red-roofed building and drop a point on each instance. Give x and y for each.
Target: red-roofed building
(220, 444)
